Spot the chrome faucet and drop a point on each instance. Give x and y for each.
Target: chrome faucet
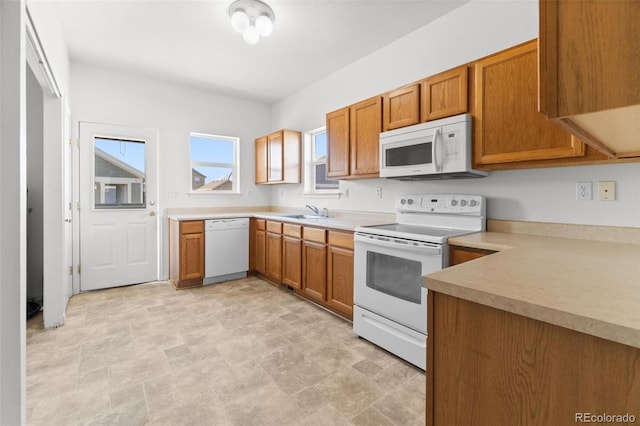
(314, 209)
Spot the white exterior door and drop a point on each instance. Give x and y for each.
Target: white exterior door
(118, 191)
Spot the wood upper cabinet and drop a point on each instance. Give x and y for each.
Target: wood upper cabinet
(292, 255)
(508, 128)
(353, 137)
(261, 160)
(589, 71)
(445, 94)
(186, 253)
(340, 272)
(273, 250)
(401, 107)
(278, 157)
(338, 143)
(366, 124)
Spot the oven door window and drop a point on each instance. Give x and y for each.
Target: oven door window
(409, 155)
(395, 276)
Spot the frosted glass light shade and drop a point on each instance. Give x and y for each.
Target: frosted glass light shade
(251, 35)
(240, 21)
(264, 25)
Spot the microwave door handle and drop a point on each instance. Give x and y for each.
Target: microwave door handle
(436, 151)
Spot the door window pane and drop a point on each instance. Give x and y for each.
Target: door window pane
(395, 276)
(119, 174)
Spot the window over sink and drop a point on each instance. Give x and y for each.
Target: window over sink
(315, 165)
(214, 164)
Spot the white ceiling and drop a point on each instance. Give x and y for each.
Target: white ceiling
(192, 42)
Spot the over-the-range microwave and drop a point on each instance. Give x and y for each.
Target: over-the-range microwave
(439, 149)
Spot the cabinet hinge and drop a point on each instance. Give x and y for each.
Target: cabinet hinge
(79, 269)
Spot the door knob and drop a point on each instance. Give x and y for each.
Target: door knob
(152, 213)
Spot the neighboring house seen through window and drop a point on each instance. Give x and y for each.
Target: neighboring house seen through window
(316, 181)
(214, 164)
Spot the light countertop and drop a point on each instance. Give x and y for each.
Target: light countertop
(341, 221)
(588, 286)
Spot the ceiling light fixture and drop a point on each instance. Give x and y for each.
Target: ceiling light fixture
(252, 18)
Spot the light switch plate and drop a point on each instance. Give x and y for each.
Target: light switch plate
(607, 191)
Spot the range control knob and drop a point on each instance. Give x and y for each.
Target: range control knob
(463, 203)
(453, 202)
(403, 201)
(409, 201)
(472, 203)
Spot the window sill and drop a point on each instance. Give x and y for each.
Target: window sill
(214, 193)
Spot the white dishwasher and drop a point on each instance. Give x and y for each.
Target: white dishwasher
(226, 249)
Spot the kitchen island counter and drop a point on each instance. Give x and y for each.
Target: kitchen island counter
(588, 286)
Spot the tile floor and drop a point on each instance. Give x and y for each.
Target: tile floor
(237, 353)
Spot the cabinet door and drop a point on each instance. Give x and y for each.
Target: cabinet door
(261, 160)
(338, 143)
(314, 270)
(459, 255)
(292, 262)
(261, 254)
(445, 94)
(274, 257)
(275, 171)
(340, 279)
(191, 256)
(508, 127)
(401, 107)
(365, 126)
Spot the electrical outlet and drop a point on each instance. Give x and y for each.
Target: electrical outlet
(583, 190)
(378, 192)
(606, 191)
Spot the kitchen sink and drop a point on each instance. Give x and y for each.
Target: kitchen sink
(305, 216)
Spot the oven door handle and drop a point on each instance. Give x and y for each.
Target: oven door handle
(424, 248)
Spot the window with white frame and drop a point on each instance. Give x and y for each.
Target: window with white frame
(316, 181)
(214, 164)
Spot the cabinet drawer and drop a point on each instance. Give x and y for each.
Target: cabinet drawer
(315, 234)
(191, 227)
(261, 224)
(274, 227)
(292, 230)
(341, 239)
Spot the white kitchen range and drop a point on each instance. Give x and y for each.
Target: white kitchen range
(390, 302)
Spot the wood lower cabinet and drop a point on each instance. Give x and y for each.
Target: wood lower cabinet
(314, 264)
(508, 128)
(401, 107)
(340, 272)
(458, 254)
(317, 263)
(292, 256)
(486, 366)
(186, 252)
(260, 249)
(445, 94)
(274, 251)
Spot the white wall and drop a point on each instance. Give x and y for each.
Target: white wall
(13, 204)
(470, 32)
(111, 97)
(35, 183)
(44, 16)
